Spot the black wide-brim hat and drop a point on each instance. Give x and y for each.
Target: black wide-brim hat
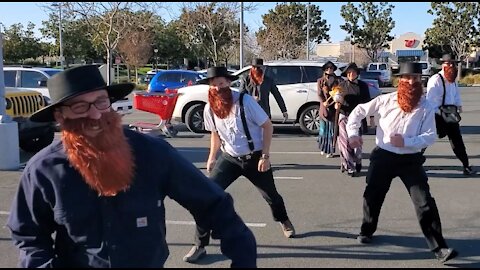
(214, 72)
(448, 58)
(329, 63)
(410, 68)
(74, 82)
(350, 66)
(257, 62)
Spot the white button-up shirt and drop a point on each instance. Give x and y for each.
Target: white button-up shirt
(435, 92)
(230, 129)
(417, 127)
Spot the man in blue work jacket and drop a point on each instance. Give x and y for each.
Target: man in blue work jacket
(100, 189)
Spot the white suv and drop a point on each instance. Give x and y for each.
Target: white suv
(296, 81)
(35, 78)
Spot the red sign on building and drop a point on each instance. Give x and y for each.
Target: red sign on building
(409, 43)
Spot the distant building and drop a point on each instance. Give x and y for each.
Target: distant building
(407, 47)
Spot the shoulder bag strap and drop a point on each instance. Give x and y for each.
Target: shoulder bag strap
(244, 122)
(444, 88)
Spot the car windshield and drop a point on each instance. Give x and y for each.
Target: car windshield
(52, 72)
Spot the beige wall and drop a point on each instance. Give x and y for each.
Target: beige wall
(328, 50)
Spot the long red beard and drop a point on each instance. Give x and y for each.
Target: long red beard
(221, 101)
(106, 161)
(451, 73)
(409, 95)
(256, 75)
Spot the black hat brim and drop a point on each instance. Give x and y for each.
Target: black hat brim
(207, 80)
(329, 63)
(115, 92)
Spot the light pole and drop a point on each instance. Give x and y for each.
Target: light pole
(59, 5)
(308, 30)
(241, 35)
(156, 58)
(8, 128)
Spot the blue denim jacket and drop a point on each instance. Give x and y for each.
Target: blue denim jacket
(57, 220)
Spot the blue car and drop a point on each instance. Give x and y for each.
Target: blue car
(173, 79)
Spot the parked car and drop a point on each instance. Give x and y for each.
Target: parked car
(385, 72)
(35, 79)
(173, 79)
(296, 81)
(426, 70)
(20, 104)
(370, 75)
(150, 74)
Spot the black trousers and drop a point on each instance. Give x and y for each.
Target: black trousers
(452, 130)
(384, 166)
(227, 169)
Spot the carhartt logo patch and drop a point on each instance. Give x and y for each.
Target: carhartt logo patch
(142, 222)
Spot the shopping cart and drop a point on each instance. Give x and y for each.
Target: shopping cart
(161, 104)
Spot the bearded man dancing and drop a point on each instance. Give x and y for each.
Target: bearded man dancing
(100, 189)
(443, 89)
(243, 132)
(406, 126)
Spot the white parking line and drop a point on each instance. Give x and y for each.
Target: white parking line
(282, 177)
(179, 222)
(192, 223)
(293, 153)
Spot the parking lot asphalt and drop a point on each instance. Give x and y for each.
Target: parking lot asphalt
(324, 205)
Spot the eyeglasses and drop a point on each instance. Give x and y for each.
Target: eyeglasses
(83, 106)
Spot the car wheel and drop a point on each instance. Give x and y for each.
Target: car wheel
(194, 118)
(36, 144)
(310, 120)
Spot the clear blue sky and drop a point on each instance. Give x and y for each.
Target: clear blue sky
(408, 17)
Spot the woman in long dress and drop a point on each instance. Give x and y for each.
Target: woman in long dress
(325, 84)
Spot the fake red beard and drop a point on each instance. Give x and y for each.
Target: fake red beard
(409, 95)
(451, 73)
(106, 161)
(256, 74)
(221, 101)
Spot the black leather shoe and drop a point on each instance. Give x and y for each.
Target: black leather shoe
(358, 167)
(364, 239)
(469, 171)
(445, 254)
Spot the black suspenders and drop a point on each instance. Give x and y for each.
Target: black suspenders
(244, 122)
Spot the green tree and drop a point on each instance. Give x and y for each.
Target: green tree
(285, 31)
(74, 41)
(170, 46)
(208, 27)
(21, 44)
(369, 25)
(455, 28)
(108, 22)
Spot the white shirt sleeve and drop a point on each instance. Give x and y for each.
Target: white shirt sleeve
(435, 91)
(427, 134)
(207, 118)
(253, 110)
(457, 98)
(361, 111)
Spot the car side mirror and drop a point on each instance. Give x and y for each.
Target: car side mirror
(235, 84)
(42, 83)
